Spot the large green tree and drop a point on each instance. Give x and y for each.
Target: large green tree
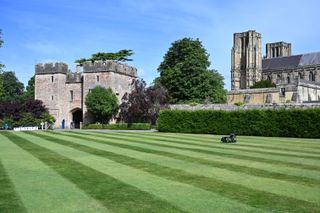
(12, 87)
(102, 103)
(1, 66)
(185, 73)
(122, 55)
(29, 93)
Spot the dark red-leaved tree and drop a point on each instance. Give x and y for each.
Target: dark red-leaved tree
(14, 109)
(142, 104)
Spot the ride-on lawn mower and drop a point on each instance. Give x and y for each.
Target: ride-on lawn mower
(229, 139)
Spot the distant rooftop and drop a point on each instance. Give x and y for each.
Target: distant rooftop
(291, 61)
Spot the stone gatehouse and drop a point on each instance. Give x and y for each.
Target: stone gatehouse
(63, 92)
(297, 77)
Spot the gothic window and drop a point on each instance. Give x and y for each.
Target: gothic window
(71, 95)
(269, 78)
(283, 91)
(278, 78)
(311, 77)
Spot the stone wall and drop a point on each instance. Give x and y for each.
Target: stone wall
(51, 68)
(229, 107)
(64, 92)
(120, 84)
(109, 66)
(288, 75)
(296, 92)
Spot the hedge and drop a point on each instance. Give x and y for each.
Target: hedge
(119, 126)
(281, 123)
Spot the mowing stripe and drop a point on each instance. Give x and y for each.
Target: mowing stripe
(275, 141)
(9, 199)
(237, 146)
(219, 146)
(186, 197)
(234, 191)
(311, 194)
(40, 188)
(280, 160)
(114, 194)
(214, 141)
(301, 176)
(293, 141)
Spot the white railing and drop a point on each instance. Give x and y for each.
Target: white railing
(28, 128)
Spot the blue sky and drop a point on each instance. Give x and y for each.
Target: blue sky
(38, 31)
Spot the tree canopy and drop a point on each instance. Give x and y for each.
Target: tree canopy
(102, 103)
(185, 73)
(143, 104)
(122, 55)
(12, 87)
(29, 93)
(263, 84)
(1, 67)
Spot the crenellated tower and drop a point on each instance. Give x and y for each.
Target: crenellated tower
(50, 86)
(246, 60)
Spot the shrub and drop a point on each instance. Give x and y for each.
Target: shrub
(283, 123)
(239, 103)
(119, 126)
(92, 126)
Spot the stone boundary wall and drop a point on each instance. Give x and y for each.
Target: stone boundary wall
(230, 107)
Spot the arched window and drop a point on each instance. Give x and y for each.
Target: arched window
(311, 76)
(269, 78)
(278, 78)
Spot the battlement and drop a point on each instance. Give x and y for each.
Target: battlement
(109, 66)
(51, 68)
(74, 77)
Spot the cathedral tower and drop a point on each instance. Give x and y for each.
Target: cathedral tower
(278, 49)
(246, 64)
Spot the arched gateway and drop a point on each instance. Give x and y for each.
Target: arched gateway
(77, 117)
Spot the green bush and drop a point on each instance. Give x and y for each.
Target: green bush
(281, 123)
(119, 126)
(92, 126)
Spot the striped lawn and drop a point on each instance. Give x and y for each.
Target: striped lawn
(95, 171)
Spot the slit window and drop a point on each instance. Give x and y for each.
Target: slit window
(71, 95)
(98, 78)
(52, 79)
(52, 97)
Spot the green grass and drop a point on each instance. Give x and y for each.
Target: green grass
(92, 171)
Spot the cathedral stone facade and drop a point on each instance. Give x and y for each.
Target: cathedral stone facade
(297, 77)
(63, 92)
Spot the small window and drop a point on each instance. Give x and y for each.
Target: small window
(300, 75)
(288, 80)
(311, 77)
(283, 92)
(98, 78)
(71, 95)
(52, 98)
(269, 78)
(52, 79)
